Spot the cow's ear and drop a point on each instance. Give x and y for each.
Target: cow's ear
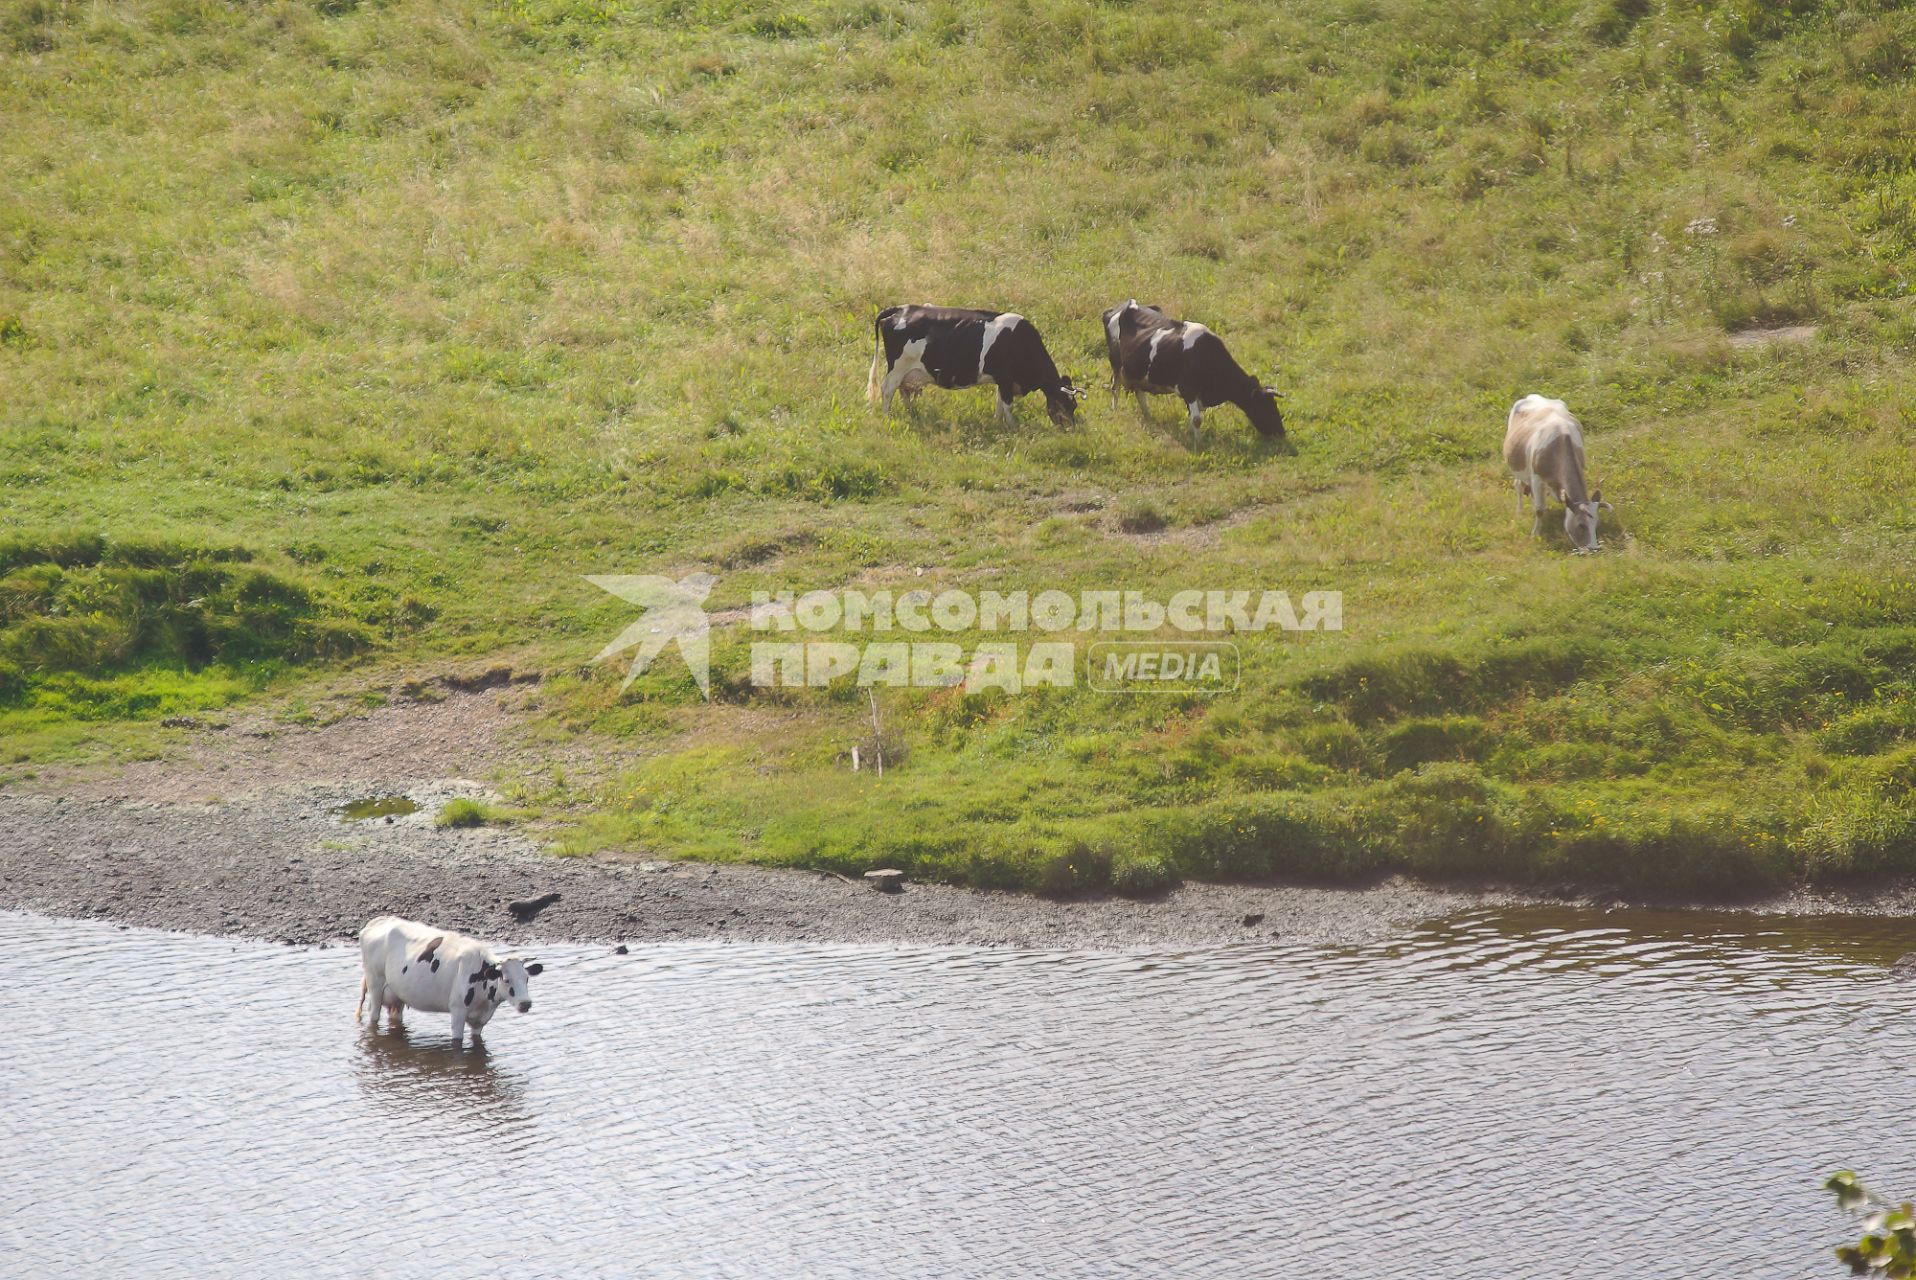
(535, 969)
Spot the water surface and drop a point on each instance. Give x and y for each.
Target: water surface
(1523, 1093)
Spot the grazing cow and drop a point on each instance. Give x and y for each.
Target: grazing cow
(413, 965)
(1152, 354)
(1544, 447)
(954, 347)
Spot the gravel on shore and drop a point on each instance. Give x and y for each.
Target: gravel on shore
(285, 865)
(237, 831)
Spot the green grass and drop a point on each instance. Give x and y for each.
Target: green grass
(465, 812)
(408, 316)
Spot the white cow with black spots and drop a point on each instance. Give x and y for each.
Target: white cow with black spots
(921, 346)
(1152, 354)
(409, 965)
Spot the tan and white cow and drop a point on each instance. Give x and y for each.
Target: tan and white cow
(1543, 446)
(409, 965)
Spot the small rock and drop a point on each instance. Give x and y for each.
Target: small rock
(622, 950)
(886, 880)
(1252, 918)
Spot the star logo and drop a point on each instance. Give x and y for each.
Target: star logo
(673, 611)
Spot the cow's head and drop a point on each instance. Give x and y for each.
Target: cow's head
(518, 974)
(1580, 521)
(1261, 408)
(1062, 401)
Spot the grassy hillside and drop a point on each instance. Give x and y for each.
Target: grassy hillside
(348, 333)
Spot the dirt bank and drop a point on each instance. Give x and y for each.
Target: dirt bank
(283, 865)
(238, 832)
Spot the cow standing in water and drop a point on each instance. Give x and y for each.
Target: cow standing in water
(1543, 446)
(1152, 354)
(954, 347)
(413, 965)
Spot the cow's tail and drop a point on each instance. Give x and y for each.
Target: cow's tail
(878, 359)
(359, 1010)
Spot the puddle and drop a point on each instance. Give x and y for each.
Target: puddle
(376, 807)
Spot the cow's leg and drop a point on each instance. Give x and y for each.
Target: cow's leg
(1114, 388)
(458, 1022)
(1197, 417)
(1536, 505)
(909, 360)
(375, 995)
(359, 1009)
(1144, 406)
(1004, 407)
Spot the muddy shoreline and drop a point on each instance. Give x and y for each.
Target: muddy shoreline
(237, 833)
(285, 866)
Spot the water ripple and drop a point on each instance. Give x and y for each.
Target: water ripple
(1515, 1093)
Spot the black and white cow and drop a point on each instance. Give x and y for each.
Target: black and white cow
(956, 347)
(1152, 354)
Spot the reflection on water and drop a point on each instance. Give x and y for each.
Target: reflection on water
(1530, 1093)
(413, 1077)
(377, 807)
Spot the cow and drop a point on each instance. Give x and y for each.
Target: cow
(1152, 354)
(1543, 446)
(956, 347)
(413, 965)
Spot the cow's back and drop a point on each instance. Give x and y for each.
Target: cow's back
(1127, 326)
(391, 943)
(1537, 425)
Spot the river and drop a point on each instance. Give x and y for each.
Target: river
(1523, 1093)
